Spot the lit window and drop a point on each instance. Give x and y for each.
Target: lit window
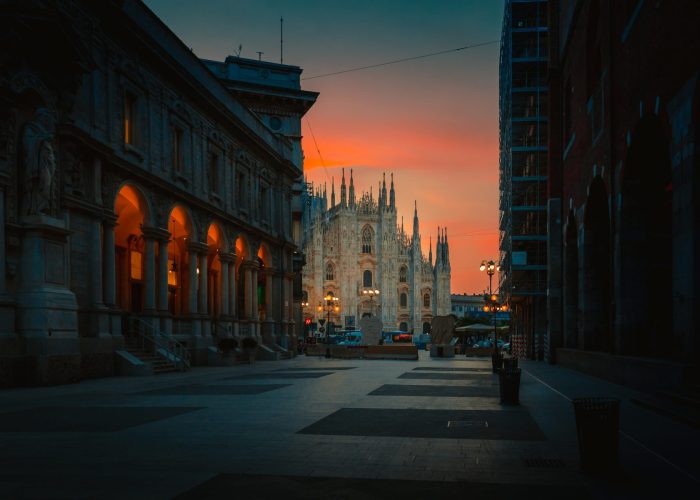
(136, 264)
(130, 118)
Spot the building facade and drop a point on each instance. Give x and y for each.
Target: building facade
(625, 182)
(523, 161)
(143, 192)
(357, 245)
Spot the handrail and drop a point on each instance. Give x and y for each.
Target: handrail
(160, 340)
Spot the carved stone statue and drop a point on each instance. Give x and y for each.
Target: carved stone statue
(39, 167)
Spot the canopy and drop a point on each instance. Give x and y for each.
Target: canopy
(479, 328)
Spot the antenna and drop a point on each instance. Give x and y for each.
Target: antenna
(238, 52)
(259, 55)
(281, 40)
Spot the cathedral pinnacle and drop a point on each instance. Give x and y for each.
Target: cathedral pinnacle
(352, 191)
(332, 192)
(384, 190)
(392, 196)
(415, 220)
(343, 197)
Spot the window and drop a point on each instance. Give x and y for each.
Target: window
(367, 279)
(178, 156)
(214, 173)
(367, 240)
(426, 300)
(241, 190)
(265, 203)
(403, 273)
(403, 301)
(130, 117)
(330, 272)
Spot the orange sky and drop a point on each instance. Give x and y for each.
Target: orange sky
(433, 121)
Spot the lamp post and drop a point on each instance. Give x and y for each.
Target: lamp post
(371, 293)
(492, 305)
(331, 303)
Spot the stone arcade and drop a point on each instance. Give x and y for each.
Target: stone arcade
(143, 191)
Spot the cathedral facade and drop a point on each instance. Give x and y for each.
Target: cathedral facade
(357, 246)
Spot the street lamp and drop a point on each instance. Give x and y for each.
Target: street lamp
(331, 303)
(371, 293)
(493, 306)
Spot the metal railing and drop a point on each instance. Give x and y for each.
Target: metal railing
(175, 351)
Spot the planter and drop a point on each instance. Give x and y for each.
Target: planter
(509, 384)
(249, 348)
(496, 361)
(597, 426)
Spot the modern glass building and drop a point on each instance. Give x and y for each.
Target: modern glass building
(523, 170)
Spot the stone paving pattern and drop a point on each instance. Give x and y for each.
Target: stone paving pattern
(229, 433)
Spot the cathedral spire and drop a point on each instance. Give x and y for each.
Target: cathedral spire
(343, 198)
(352, 191)
(447, 252)
(415, 220)
(325, 196)
(430, 251)
(332, 192)
(384, 190)
(392, 196)
(438, 251)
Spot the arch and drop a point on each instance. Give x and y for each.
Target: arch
(646, 244)
(130, 208)
(243, 253)
(367, 239)
(426, 327)
(181, 230)
(242, 248)
(403, 300)
(264, 254)
(367, 278)
(594, 285)
(403, 274)
(330, 272)
(571, 271)
(217, 244)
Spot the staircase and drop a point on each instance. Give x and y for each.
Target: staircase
(151, 346)
(159, 363)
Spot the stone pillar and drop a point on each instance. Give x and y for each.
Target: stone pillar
(166, 320)
(203, 290)
(248, 286)
(149, 275)
(95, 264)
(7, 309)
(225, 263)
(232, 288)
(192, 280)
(109, 264)
(254, 293)
(269, 310)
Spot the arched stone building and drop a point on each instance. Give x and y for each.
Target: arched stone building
(143, 191)
(357, 246)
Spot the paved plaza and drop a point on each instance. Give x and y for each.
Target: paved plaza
(318, 428)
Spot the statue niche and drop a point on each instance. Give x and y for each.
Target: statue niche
(39, 165)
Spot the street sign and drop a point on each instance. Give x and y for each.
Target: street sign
(321, 321)
(322, 330)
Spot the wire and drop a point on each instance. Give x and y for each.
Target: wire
(323, 164)
(396, 61)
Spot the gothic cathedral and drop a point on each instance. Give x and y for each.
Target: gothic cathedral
(356, 246)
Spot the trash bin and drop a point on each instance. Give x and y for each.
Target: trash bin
(597, 425)
(440, 351)
(509, 381)
(496, 361)
(510, 363)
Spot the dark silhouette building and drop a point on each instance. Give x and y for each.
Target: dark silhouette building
(623, 192)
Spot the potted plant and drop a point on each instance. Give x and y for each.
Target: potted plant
(227, 346)
(250, 348)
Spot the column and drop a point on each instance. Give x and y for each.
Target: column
(149, 278)
(94, 257)
(163, 275)
(225, 263)
(232, 287)
(108, 263)
(3, 258)
(203, 309)
(248, 287)
(192, 278)
(269, 314)
(254, 291)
